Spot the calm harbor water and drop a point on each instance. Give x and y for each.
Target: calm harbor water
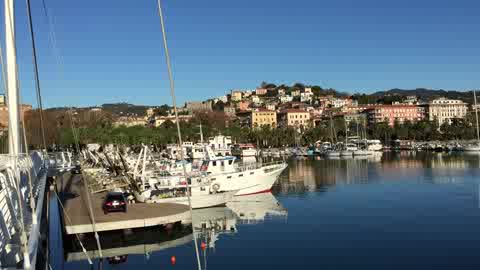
(396, 211)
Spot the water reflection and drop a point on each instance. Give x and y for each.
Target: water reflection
(120, 244)
(209, 225)
(318, 174)
(366, 212)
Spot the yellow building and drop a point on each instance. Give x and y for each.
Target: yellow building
(262, 117)
(294, 118)
(236, 95)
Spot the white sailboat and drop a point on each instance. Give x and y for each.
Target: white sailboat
(347, 150)
(474, 148)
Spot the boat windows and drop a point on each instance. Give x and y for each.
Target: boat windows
(213, 179)
(251, 173)
(240, 175)
(223, 164)
(214, 163)
(230, 162)
(229, 177)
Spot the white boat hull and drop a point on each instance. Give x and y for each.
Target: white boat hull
(198, 201)
(363, 153)
(249, 181)
(375, 147)
(333, 154)
(472, 149)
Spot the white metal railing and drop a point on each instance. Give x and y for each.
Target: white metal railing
(254, 166)
(24, 178)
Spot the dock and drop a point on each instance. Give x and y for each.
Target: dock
(77, 220)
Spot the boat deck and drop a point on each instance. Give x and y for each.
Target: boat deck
(76, 217)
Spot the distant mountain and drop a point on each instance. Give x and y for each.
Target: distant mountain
(116, 109)
(119, 109)
(426, 94)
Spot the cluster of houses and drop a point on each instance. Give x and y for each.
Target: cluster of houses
(303, 109)
(24, 108)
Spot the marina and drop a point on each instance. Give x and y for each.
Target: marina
(324, 204)
(282, 175)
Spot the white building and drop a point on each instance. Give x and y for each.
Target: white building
(270, 107)
(306, 97)
(340, 102)
(256, 100)
(223, 99)
(445, 110)
(162, 119)
(220, 142)
(411, 100)
(295, 93)
(285, 99)
(150, 112)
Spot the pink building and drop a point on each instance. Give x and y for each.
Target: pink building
(390, 113)
(358, 108)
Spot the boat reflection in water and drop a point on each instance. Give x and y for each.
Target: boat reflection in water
(209, 224)
(256, 208)
(117, 245)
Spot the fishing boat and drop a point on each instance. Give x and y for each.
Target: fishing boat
(226, 175)
(244, 150)
(196, 151)
(159, 186)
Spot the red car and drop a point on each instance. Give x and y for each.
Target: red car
(114, 202)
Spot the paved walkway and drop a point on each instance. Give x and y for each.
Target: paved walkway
(137, 216)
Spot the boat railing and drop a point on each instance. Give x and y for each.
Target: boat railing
(254, 166)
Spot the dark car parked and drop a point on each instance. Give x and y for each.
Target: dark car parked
(114, 202)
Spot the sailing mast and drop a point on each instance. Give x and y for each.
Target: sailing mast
(346, 132)
(476, 115)
(11, 79)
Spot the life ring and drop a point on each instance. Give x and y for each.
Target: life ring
(216, 187)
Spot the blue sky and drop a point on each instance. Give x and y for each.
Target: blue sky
(112, 50)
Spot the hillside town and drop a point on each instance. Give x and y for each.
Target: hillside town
(303, 109)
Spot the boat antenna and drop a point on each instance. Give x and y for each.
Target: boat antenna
(179, 133)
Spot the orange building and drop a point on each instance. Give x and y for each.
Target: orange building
(4, 113)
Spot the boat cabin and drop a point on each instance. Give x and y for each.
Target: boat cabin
(219, 165)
